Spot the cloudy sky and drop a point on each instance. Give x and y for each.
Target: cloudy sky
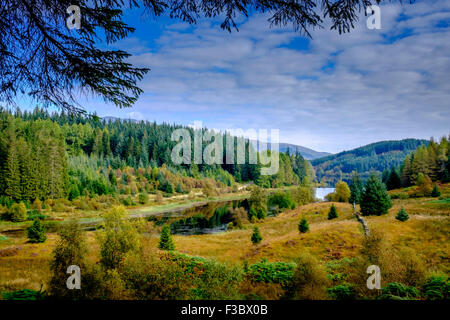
(330, 93)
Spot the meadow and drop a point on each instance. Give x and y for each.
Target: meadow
(335, 245)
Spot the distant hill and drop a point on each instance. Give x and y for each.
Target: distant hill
(308, 154)
(375, 157)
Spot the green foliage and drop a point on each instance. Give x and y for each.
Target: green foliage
(375, 199)
(303, 226)
(282, 200)
(36, 232)
(376, 157)
(258, 203)
(332, 214)
(143, 198)
(25, 294)
(435, 192)
(437, 288)
(118, 238)
(356, 188)
(303, 195)
(256, 236)
(271, 272)
(402, 215)
(393, 181)
(309, 280)
(342, 292)
(70, 249)
(18, 212)
(399, 291)
(166, 241)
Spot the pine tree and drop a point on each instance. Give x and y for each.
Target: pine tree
(303, 226)
(402, 215)
(435, 192)
(332, 214)
(36, 232)
(375, 200)
(12, 174)
(356, 188)
(256, 236)
(394, 181)
(166, 242)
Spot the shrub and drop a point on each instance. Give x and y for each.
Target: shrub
(303, 226)
(143, 198)
(309, 280)
(282, 199)
(239, 216)
(70, 249)
(398, 291)
(37, 205)
(256, 236)
(166, 242)
(18, 212)
(271, 272)
(303, 195)
(436, 288)
(402, 215)
(25, 294)
(342, 292)
(36, 232)
(332, 214)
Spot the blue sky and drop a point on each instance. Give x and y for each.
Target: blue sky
(330, 93)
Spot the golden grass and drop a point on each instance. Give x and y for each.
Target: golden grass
(427, 232)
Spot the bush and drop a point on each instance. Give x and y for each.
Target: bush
(342, 292)
(18, 212)
(271, 272)
(309, 280)
(239, 216)
(143, 198)
(25, 294)
(70, 249)
(166, 242)
(332, 214)
(436, 288)
(36, 232)
(398, 291)
(256, 236)
(303, 226)
(282, 199)
(402, 215)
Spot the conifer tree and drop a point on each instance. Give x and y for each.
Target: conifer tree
(303, 226)
(435, 192)
(356, 188)
(375, 200)
(332, 214)
(256, 236)
(166, 241)
(36, 232)
(394, 181)
(402, 215)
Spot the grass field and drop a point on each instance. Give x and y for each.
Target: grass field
(25, 265)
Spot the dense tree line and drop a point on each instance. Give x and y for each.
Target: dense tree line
(432, 161)
(58, 155)
(373, 158)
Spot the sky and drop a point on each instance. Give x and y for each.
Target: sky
(329, 93)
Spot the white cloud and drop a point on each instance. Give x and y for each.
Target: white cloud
(379, 88)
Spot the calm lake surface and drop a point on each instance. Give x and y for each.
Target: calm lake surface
(322, 192)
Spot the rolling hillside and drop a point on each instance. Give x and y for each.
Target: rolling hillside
(375, 157)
